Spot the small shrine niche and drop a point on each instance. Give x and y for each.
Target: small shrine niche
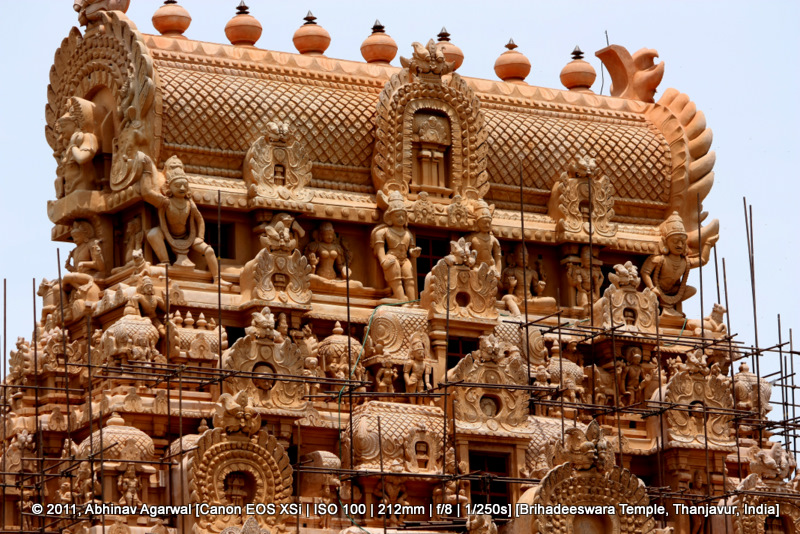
(431, 150)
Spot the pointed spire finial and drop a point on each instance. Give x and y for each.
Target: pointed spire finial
(443, 35)
(310, 18)
(577, 53)
(242, 9)
(378, 27)
(511, 44)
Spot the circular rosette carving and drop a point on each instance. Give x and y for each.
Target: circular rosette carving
(388, 332)
(228, 471)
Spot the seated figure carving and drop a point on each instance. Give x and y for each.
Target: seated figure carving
(519, 277)
(666, 273)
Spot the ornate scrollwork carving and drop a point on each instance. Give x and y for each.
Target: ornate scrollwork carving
(622, 304)
(277, 167)
(419, 87)
(572, 197)
(471, 293)
(697, 386)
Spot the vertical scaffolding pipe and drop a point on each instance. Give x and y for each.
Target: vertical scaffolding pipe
(756, 353)
(524, 272)
(66, 361)
(733, 376)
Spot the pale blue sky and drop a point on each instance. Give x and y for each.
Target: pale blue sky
(737, 60)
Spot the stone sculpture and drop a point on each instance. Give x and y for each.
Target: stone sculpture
(417, 372)
(395, 247)
(327, 254)
(518, 278)
(666, 273)
(483, 241)
(180, 224)
(79, 144)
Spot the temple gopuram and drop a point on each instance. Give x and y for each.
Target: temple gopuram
(326, 296)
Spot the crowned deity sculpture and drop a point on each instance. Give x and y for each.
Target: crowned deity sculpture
(395, 247)
(87, 256)
(180, 223)
(417, 372)
(519, 277)
(483, 241)
(666, 273)
(328, 254)
(80, 144)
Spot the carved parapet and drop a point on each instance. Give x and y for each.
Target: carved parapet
(472, 292)
(622, 304)
(225, 471)
(278, 277)
(694, 385)
(579, 192)
(498, 363)
(411, 437)
(119, 339)
(197, 339)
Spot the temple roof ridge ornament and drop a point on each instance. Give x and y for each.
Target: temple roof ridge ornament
(427, 62)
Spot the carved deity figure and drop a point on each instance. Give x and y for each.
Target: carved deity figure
(666, 274)
(312, 372)
(128, 486)
(180, 223)
(87, 256)
(134, 236)
(517, 275)
(586, 279)
(395, 247)
(385, 377)
(328, 254)
(483, 241)
(281, 233)
(145, 303)
(76, 135)
(417, 372)
(630, 387)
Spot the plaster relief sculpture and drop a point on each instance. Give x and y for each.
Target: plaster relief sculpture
(632, 378)
(130, 160)
(484, 242)
(623, 305)
(586, 277)
(578, 193)
(693, 383)
(277, 167)
(89, 10)
(632, 76)
(395, 247)
(584, 472)
(667, 273)
(327, 254)
(495, 362)
(79, 145)
(430, 132)
(518, 279)
(180, 224)
(765, 488)
(257, 353)
(750, 392)
(234, 455)
(279, 272)
(417, 372)
(472, 291)
(336, 361)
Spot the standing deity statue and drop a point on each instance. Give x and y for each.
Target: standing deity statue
(483, 241)
(631, 385)
(80, 144)
(395, 247)
(518, 278)
(417, 372)
(385, 377)
(180, 223)
(586, 279)
(666, 273)
(327, 254)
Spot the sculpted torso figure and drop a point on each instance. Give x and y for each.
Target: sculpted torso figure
(416, 372)
(666, 274)
(326, 254)
(180, 223)
(76, 133)
(394, 245)
(484, 242)
(517, 280)
(145, 303)
(632, 377)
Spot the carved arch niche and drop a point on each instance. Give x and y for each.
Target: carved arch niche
(430, 135)
(108, 78)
